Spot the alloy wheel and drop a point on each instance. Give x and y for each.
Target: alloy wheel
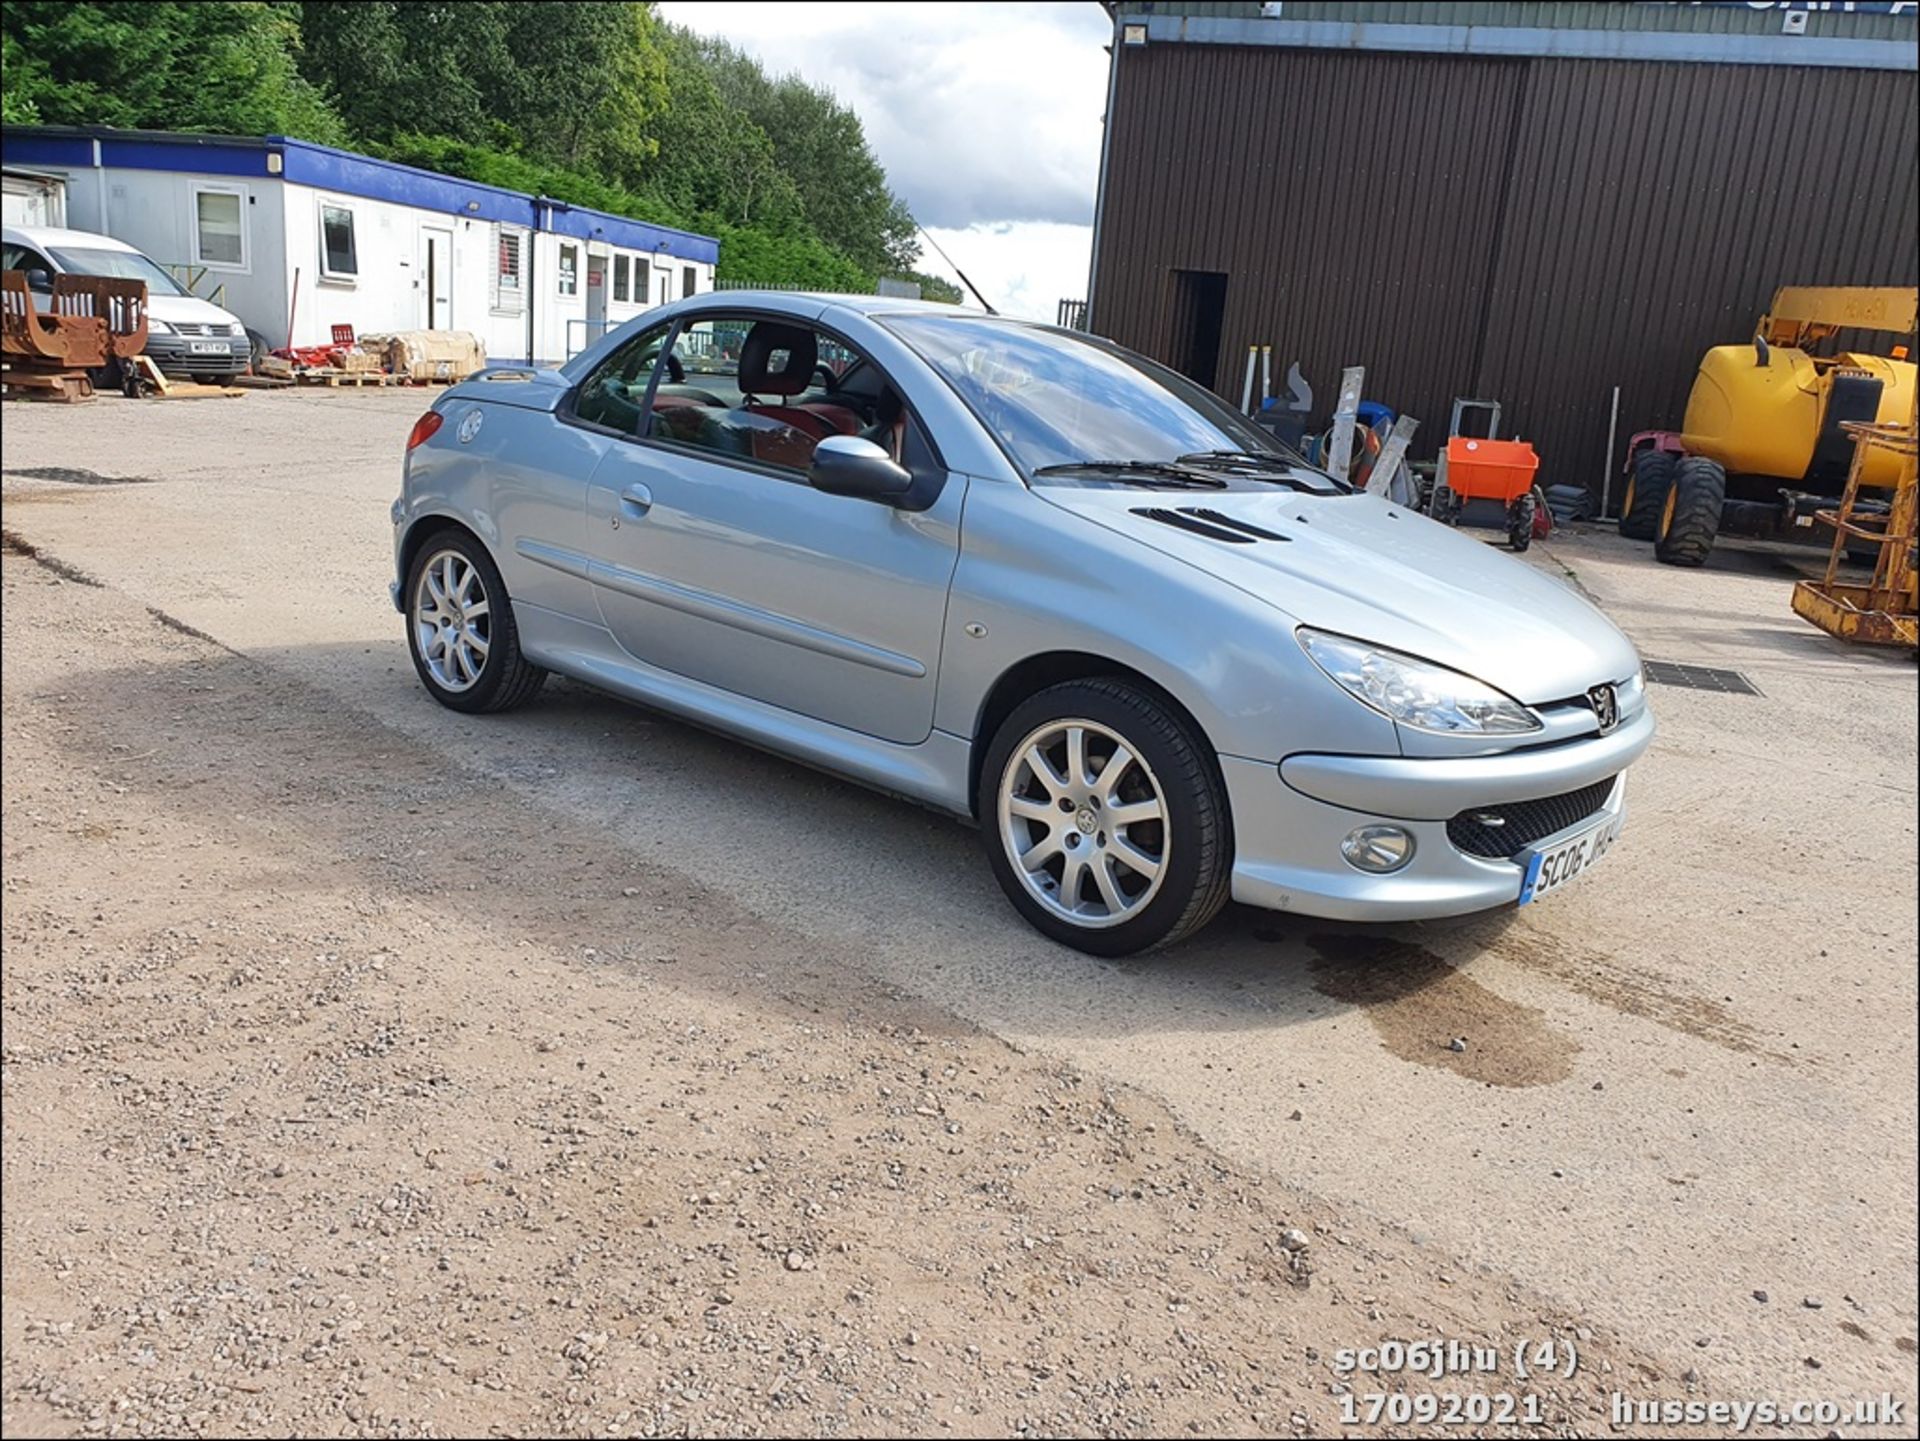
(452, 620)
(1084, 822)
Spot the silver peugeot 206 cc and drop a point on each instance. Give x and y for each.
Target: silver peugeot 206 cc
(1032, 579)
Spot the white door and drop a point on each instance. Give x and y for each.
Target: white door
(436, 279)
(596, 298)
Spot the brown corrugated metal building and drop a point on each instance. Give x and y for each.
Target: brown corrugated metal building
(1529, 203)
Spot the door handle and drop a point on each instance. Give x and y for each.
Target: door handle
(636, 499)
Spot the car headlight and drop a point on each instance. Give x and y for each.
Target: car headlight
(1415, 692)
(158, 327)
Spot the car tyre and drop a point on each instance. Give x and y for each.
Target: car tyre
(1646, 493)
(460, 628)
(1146, 847)
(1690, 518)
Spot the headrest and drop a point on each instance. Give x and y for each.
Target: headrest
(777, 359)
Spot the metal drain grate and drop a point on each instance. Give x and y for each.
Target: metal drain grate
(1700, 677)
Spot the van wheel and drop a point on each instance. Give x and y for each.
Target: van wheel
(1104, 820)
(1646, 493)
(1691, 516)
(460, 628)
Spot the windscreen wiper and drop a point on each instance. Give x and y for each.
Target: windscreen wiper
(1256, 465)
(1165, 473)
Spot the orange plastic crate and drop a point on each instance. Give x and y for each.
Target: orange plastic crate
(1500, 470)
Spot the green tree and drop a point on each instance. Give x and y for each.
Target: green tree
(580, 82)
(932, 287)
(710, 156)
(512, 171)
(160, 65)
(569, 84)
(821, 146)
(756, 257)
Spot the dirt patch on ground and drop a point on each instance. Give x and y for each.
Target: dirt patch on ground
(1433, 1014)
(1635, 990)
(343, 1095)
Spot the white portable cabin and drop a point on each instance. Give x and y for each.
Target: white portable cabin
(300, 237)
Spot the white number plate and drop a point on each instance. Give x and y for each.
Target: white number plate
(1553, 867)
(208, 347)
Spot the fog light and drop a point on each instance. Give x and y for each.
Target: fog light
(1378, 850)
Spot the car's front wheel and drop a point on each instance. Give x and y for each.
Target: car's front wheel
(1104, 819)
(460, 628)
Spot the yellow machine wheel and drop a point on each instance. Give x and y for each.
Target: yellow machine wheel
(1690, 512)
(1647, 486)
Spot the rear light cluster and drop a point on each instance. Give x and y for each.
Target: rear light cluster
(423, 429)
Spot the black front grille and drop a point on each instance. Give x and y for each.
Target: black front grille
(1499, 831)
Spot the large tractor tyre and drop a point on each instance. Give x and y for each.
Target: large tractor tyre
(1646, 493)
(1691, 517)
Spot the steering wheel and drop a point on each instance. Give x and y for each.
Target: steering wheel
(676, 372)
(826, 375)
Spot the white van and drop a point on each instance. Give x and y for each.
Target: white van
(185, 334)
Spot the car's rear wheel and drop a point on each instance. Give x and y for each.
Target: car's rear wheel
(1104, 819)
(460, 628)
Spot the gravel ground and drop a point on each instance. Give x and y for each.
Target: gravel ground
(342, 1100)
(498, 993)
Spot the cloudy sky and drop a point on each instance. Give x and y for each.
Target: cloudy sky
(986, 117)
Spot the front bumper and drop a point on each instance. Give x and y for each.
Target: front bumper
(1289, 820)
(175, 356)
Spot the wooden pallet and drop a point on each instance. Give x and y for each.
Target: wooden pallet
(338, 378)
(21, 382)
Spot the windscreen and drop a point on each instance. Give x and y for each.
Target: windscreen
(117, 265)
(1056, 399)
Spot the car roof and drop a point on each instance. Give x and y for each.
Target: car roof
(53, 235)
(864, 304)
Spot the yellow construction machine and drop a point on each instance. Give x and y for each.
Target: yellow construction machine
(1764, 446)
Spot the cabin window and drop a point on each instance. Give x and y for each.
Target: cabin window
(620, 283)
(219, 227)
(569, 270)
(509, 273)
(339, 255)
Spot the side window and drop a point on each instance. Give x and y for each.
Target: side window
(18, 257)
(567, 273)
(642, 280)
(339, 255)
(508, 275)
(219, 226)
(620, 291)
(769, 391)
(688, 276)
(617, 389)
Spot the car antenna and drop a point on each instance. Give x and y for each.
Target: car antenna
(985, 304)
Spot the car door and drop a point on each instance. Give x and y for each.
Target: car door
(713, 557)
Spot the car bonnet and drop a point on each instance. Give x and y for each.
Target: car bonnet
(1364, 567)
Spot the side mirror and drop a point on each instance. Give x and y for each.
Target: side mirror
(851, 465)
(39, 280)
